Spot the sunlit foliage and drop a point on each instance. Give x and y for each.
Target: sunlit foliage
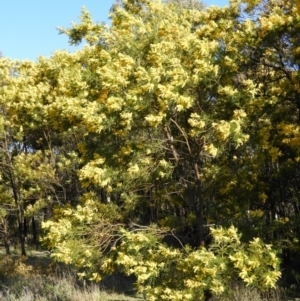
(171, 122)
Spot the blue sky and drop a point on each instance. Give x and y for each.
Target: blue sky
(28, 27)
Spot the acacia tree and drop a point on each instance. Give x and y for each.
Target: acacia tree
(171, 111)
(36, 167)
(159, 110)
(159, 96)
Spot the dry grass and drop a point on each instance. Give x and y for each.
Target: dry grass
(37, 278)
(240, 292)
(56, 289)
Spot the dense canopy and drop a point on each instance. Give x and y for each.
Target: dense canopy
(148, 149)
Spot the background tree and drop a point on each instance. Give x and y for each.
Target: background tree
(36, 167)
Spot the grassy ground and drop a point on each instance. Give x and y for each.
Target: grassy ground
(37, 278)
(53, 289)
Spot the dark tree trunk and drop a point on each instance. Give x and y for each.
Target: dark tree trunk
(21, 232)
(25, 227)
(19, 207)
(6, 237)
(34, 233)
(196, 201)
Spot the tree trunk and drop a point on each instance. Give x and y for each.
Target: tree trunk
(196, 201)
(34, 233)
(21, 233)
(6, 237)
(18, 204)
